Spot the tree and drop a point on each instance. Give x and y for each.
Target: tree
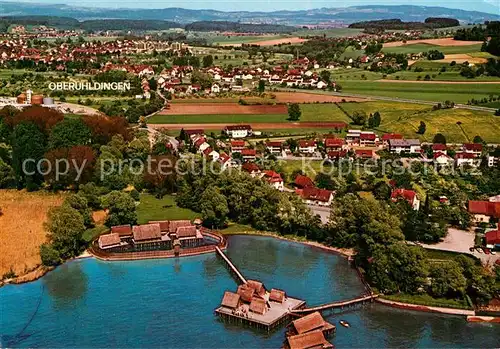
(68, 133)
(214, 208)
(439, 138)
(397, 268)
(203, 79)
(294, 112)
(208, 61)
(382, 191)
(478, 140)
(49, 255)
(121, 209)
(434, 55)
(66, 227)
(377, 119)
(326, 76)
(421, 128)
(447, 280)
(44, 118)
(359, 117)
(27, 149)
(262, 86)
(80, 204)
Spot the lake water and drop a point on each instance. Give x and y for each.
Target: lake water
(170, 303)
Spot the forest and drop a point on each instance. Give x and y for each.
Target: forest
(398, 24)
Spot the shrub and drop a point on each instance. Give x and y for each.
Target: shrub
(50, 256)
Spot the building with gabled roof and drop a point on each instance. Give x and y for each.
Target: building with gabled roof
(409, 195)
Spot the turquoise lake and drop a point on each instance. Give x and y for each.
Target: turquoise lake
(170, 304)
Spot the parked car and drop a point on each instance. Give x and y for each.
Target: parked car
(487, 251)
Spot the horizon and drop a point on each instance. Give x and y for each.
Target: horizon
(487, 6)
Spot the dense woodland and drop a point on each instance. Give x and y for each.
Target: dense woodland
(490, 34)
(398, 24)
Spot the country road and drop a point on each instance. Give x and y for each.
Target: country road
(390, 99)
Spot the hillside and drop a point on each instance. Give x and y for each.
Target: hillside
(337, 16)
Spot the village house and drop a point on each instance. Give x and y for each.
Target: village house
(307, 147)
(409, 195)
(494, 159)
(238, 131)
(439, 148)
(442, 160)
(225, 161)
(302, 182)
(274, 147)
(249, 154)
(409, 146)
(364, 153)
(467, 159)
(336, 154)
(388, 136)
(316, 196)
(252, 169)
(334, 144)
(473, 148)
(492, 239)
(274, 179)
(484, 211)
(368, 139)
(237, 146)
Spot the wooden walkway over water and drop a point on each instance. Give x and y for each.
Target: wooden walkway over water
(231, 266)
(334, 305)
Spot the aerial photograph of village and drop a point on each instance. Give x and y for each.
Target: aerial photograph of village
(249, 174)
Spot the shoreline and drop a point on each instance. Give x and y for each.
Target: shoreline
(345, 253)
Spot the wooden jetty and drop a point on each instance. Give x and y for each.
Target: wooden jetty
(335, 305)
(231, 266)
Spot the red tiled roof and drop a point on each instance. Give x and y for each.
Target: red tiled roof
(363, 153)
(368, 136)
(122, 230)
(303, 181)
(439, 154)
(334, 142)
(275, 144)
(248, 152)
(493, 237)
(389, 136)
(174, 225)
(237, 143)
(316, 194)
(465, 156)
(439, 146)
(408, 195)
(337, 154)
(272, 176)
(250, 167)
(473, 146)
(486, 208)
(306, 144)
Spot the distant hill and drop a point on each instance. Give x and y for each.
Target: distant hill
(406, 13)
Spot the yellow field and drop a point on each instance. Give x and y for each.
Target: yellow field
(21, 228)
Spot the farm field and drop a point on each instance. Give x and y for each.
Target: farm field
(300, 126)
(330, 33)
(22, 221)
(153, 209)
(310, 113)
(223, 108)
(423, 47)
(438, 42)
(458, 93)
(266, 41)
(405, 118)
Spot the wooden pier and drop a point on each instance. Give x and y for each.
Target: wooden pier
(336, 305)
(231, 266)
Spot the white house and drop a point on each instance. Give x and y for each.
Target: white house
(307, 147)
(215, 88)
(238, 131)
(399, 146)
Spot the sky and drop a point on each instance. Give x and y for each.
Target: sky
(270, 5)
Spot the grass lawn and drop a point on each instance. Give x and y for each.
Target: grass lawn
(459, 93)
(427, 300)
(153, 209)
(440, 255)
(327, 112)
(236, 228)
(311, 167)
(91, 234)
